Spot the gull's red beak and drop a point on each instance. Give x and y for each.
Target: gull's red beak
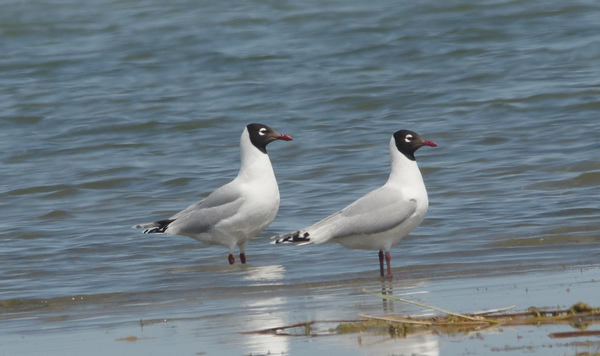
(429, 143)
(284, 137)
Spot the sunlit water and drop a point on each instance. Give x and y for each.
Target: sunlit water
(120, 112)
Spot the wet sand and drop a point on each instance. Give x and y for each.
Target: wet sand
(222, 320)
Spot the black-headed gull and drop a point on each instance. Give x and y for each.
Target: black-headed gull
(239, 210)
(382, 217)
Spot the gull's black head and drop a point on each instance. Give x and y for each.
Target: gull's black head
(408, 142)
(261, 135)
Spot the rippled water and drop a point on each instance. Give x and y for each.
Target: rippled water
(119, 112)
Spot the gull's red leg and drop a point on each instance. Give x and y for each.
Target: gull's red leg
(381, 262)
(388, 261)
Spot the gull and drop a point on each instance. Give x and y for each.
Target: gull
(382, 217)
(236, 212)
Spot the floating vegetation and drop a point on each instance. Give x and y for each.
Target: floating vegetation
(579, 316)
(133, 338)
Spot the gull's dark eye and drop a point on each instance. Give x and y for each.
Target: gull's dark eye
(408, 138)
(262, 131)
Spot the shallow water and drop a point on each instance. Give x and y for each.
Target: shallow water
(115, 113)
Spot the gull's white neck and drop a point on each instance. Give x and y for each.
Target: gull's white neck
(404, 172)
(254, 163)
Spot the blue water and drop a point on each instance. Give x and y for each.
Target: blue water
(120, 112)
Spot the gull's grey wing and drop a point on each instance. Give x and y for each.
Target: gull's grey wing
(198, 218)
(377, 211)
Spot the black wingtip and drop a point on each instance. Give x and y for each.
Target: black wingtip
(154, 230)
(161, 228)
(294, 238)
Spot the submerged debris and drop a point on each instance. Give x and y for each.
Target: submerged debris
(579, 316)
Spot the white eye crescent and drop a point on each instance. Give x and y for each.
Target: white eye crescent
(262, 131)
(408, 138)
